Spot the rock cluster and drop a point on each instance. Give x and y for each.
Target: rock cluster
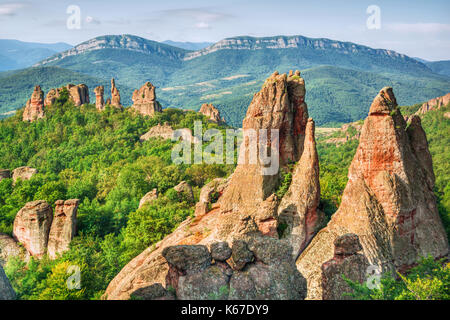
(434, 104)
(63, 227)
(34, 108)
(79, 94)
(115, 96)
(24, 173)
(388, 201)
(265, 270)
(144, 100)
(211, 112)
(99, 99)
(40, 232)
(345, 262)
(6, 290)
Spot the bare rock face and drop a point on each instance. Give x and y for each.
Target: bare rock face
(388, 201)
(24, 173)
(63, 227)
(269, 274)
(6, 290)
(346, 262)
(32, 226)
(210, 112)
(166, 132)
(34, 108)
(115, 95)
(298, 208)
(51, 97)
(185, 190)
(78, 93)
(9, 248)
(99, 99)
(5, 174)
(245, 206)
(149, 197)
(434, 104)
(144, 100)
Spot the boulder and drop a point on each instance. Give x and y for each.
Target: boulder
(209, 194)
(24, 173)
(220, 251)
(99, 99)
(240, 255)
(388, 201)
(149, 197)
(32, 226)
(34, 108)
(154, 292)
(9, 248)
(63, 227)
(210, 112)
(144, 100)
(6, 290)
(346, 262)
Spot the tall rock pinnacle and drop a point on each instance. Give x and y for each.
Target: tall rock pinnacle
(34, 108)
(144, 100)
(99, 99)
(388, 201)
(115, 95)
(210, 112)
(247, 208)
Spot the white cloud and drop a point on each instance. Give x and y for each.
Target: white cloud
(10, 9)
(419, 27)
(202, 25)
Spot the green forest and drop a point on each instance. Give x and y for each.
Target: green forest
(97, 157)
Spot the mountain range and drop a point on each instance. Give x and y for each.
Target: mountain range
(341, 77)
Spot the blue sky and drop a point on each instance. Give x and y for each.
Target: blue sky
(416, 28)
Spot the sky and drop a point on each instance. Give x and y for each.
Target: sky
(416, 28)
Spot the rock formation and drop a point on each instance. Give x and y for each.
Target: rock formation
(5, 174)
(34, 108)
(388, 201)
(185, 190)
(434, 104)
(198, 274)
(165, 131)
(78, 94)
(246, 207)
(149, 197)
(211, 112)
(115, 95)
(6, 290)
(346, 262)
(9, 248)
(99, 100)
(24, 173)
(63, 227)
(144, 100)
(32, 226)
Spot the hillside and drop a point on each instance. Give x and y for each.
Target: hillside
(16, 54)
(342, 77)
(440, 67)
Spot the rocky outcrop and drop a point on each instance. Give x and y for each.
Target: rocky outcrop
(32, 226)
(115, 95)
(184, 190)
(34, 108)
(78, 94)
(144, 100)
(63, 227)
(6, 290)
(197, 274)
(99, 99)
(346, 262)
(5, 174)
(211, 112)
(9, 248)
(24, 173)
(166, 132)
(298, 209)
(149, 197)
(246, 207)
(388, 201)
(434, 104)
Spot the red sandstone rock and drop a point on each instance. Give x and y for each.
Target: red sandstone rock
(78, 93)
(434, 104)
(210, 112)
(99, 100)
(144, 100)
(63, 227)
(35, 106)
(32, 227)
(24, 173)
(115, 95)
(388, 201)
